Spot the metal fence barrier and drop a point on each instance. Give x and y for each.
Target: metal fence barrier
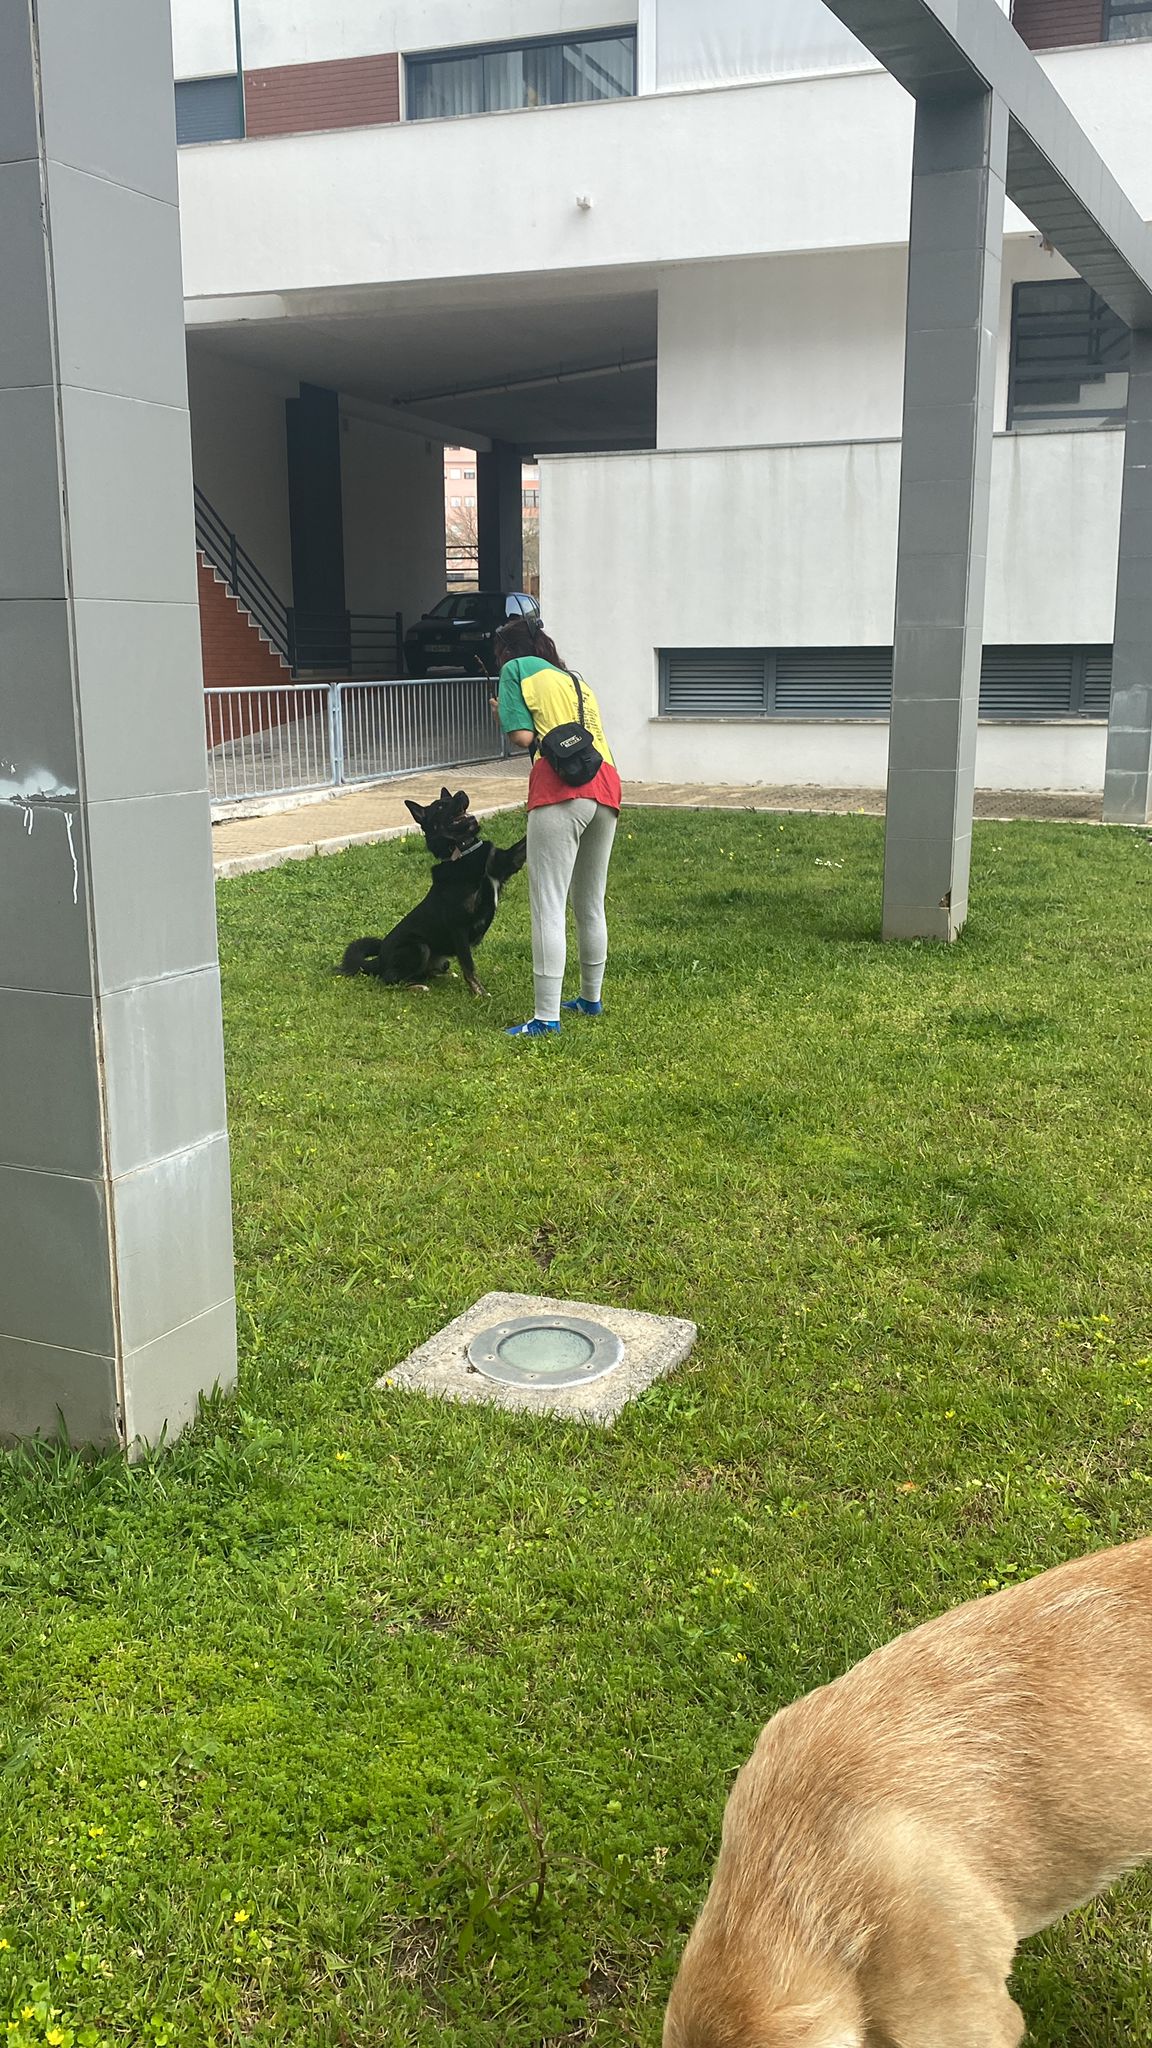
(269, 742)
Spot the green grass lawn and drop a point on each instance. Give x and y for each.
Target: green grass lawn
(362, 1720)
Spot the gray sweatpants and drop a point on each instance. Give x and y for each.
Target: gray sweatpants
(569, 846)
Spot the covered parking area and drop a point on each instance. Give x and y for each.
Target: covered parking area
(345, 509)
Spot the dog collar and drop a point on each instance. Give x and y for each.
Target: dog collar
(462, 852)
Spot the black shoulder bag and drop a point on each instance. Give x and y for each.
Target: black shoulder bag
(571, 749)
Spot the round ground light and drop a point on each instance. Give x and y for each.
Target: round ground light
(545, 1352)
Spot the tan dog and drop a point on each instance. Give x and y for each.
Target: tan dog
(896, 1834)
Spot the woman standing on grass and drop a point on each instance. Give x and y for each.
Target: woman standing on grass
(570, 830)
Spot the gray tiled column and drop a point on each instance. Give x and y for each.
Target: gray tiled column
(116, 1287)
(949, 378)
(1128, 769)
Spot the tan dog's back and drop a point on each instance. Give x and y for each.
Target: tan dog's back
(894, 1835)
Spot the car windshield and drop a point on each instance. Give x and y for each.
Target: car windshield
(477, 607)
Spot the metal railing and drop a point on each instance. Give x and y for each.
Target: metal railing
(368, 644)
(240, 573)
(297, 736)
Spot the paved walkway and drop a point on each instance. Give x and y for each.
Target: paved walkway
(359, 816)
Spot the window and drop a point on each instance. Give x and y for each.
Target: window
(469, 473)
(455, 475)
(209, 110)
(1069, 355)
(1041, 683)
(1127, 20)
(491, 79)
(531, 501)
(456, 503)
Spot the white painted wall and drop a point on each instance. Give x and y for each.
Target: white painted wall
(393, 490)
(800, 348)
(203, 38)
(240, 457)
(782, 348)
(497, 195)
(1109, 89)
(797, 547)
(847, 754)
(313, 31)
(682, 43)
(778, 168)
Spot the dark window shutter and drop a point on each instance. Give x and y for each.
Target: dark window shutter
(1026, 682)
(715, 682)
(856, 682)
(833, 682)
(209, 110)
(1096, 694)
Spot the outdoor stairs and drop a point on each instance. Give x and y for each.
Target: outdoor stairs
(236, 650)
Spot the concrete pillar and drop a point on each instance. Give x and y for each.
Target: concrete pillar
(315, 505)
(958, 168)
(1128, 768)
(500, 518)
(116, 1287)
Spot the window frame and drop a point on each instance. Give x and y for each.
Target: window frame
(626, 32)
(1114, 7)
(1047, 416)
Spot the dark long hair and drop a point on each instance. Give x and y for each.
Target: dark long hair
(518, 638)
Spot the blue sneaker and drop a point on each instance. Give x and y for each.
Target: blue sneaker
(535, 1028)
(583, 1007)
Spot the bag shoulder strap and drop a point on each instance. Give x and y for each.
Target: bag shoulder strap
(575, 680)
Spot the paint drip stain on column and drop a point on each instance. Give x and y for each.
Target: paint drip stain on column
(39, 790)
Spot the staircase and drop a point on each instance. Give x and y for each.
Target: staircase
(236, 650)
(250, 636)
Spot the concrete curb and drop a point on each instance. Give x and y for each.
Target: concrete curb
(274, 857)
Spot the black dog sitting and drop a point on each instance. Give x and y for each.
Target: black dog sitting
(458, 908)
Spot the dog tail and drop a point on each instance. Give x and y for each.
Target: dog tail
(359, 954)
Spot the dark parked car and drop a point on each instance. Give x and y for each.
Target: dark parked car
(458, 632)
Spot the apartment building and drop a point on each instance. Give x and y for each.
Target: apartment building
(662, 251)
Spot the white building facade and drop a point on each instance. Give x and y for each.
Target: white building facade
(662, 248)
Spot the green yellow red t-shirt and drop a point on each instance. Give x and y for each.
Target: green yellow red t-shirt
(534, 697)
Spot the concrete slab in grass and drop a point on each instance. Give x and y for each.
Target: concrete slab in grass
(653, 1347)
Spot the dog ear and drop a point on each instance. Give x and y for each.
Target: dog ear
(445, 795)
(459, 802)
(418, 811)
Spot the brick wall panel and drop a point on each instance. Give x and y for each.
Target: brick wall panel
(303, 99)
(1058, 24)
(235, 657)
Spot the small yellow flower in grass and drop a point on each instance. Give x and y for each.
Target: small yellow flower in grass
(3, 1943)
(909, 1486)
(27, 2012)
(95, 1833)
(738, 1657)
(241, 1915)
(342, 1457)
(54, 2037)
(949, 1415)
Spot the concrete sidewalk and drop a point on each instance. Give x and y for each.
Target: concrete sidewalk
(358, 817)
